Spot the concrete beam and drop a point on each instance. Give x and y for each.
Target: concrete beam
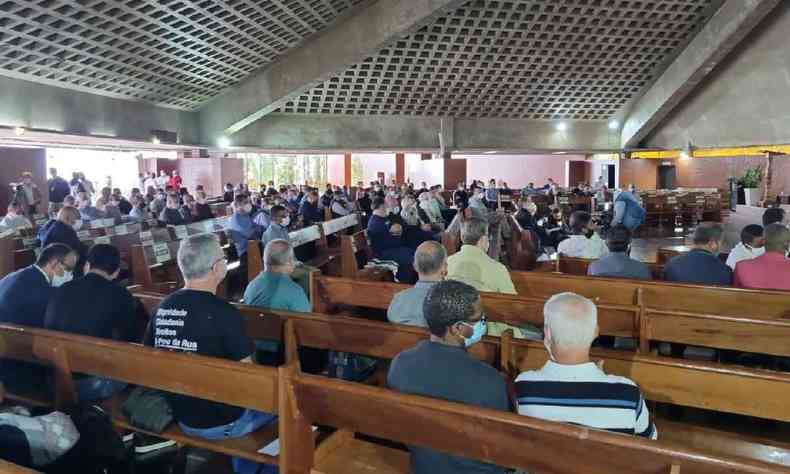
(342, 45)
(724, 31)
(48, 108)
(340, 133)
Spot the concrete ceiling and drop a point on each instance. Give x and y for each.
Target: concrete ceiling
(533, 59)
(172, 53)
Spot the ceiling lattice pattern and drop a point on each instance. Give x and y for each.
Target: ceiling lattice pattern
(176, 53)
(538, 59)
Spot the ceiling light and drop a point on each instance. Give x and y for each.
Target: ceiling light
(614, 125)
(19, 131)
(562, 126)
(223, 142)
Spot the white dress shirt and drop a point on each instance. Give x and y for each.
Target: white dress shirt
(743, 252)
(579, 246)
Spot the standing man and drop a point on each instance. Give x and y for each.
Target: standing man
(627, 210)
(161, 181)
(175, 181)
(58, 190)
(32, 193)
(206, 325)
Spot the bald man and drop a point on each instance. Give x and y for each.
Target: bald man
(63, 230)
(770, 271)
(430, 262)
(571, 388)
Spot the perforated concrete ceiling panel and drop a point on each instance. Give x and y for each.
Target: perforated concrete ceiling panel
(175, 53)
(536, 59)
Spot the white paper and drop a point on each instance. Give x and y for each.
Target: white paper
(273, 448)
(121, 229)
(84, 235)
(102, 240)
(181, 232)
(146, 236)
(161, 252)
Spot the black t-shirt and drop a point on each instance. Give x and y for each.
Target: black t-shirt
(93, 306)
(200, 323)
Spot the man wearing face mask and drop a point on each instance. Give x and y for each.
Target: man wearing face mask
(309, 209)
(278, 229)
(242, 229)
(570, 387)
(63, 230)
(702, 264)
(340, 205)
(24, 296)
(442, 368)
(771, 270)
(473, 266)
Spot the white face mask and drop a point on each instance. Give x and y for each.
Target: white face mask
(286, 221)
(77, 225)
(60, 280)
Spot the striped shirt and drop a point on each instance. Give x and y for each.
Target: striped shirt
(584, 395)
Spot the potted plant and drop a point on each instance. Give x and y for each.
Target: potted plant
(750, 181)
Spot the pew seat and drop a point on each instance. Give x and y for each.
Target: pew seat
(360, 456)
(246, 447)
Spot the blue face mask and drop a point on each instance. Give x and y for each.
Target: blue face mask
(478, 331)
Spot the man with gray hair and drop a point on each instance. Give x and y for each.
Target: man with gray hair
(570, 387)
(430, 261)
(770, 271)
(195, 321)
(473, 266)
(274, 288)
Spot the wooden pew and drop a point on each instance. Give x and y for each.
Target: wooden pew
(714, 387)
(323, 256)
(9, 468)
(579, 266)
(155, 258)
(483, 434)
(355, 253)
(238, 384)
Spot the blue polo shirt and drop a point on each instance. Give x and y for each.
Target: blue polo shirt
(276, 291)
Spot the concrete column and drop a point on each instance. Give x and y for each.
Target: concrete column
(347, 169)
(400, 168)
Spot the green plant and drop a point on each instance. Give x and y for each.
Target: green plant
(752, 178)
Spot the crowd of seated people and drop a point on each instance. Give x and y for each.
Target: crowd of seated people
(74, 289)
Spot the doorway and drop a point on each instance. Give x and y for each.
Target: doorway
(666, 177)
(611, 176)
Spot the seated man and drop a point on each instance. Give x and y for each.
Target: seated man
(241, 226)
(770, 271)
(387, 241)
(702, 264)
(15, 219)
(570, 387)
(751, 246)
(208, 326)
(442, 368)
(278, 225)
(63, 230)
(24, 296)
(774, 215)
(309, 211)
(274, 288)
(585, 242)
(95, 306)
(473, 266)
(618, 263)
(171, 214)
(340, 205)
(87, 210)
(430, 261)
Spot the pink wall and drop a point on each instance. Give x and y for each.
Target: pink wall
(518, 170)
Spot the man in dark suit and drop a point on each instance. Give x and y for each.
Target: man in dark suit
(24, 296)
(702, 265)
(64, 231)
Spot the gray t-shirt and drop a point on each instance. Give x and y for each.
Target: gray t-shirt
(437, 370)
(406, 306)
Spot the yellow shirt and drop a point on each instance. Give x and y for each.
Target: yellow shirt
(472, 266)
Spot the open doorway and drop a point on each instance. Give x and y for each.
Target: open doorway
(666, 177)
